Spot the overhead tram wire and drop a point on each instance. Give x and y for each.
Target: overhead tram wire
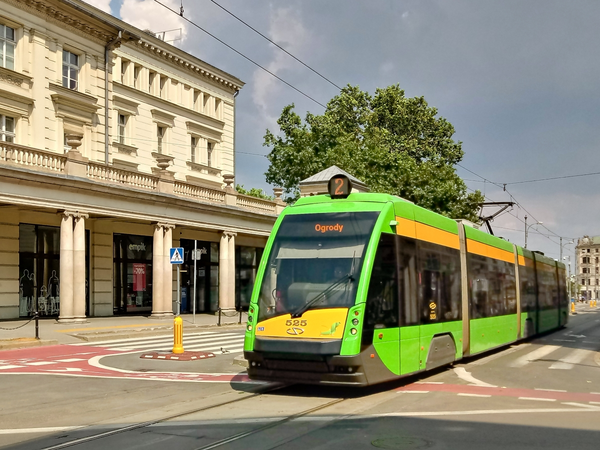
(503, 187)
(239, 53)
(276, 44)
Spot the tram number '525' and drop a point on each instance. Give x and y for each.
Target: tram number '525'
(295, 323)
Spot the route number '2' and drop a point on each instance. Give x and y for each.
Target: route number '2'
(295, 323)
(339, 186)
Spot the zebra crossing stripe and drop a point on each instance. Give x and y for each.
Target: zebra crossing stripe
(534, 355)
(169, 342)
(575, 357)
(148, 338)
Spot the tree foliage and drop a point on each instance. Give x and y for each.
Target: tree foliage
(253, 192)
(395, 144)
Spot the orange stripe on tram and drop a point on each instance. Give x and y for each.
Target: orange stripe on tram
(491, 252)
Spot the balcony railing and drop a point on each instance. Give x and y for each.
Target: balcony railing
(73, 164)
(31, 158)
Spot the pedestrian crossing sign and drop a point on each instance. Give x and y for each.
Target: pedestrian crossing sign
(176, 255)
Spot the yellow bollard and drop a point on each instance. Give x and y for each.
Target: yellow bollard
(178, 335)
(572, 307)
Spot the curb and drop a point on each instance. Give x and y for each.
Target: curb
(240, 361)
(13, 344)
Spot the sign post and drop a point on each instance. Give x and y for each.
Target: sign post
(195, 276)
(176, 257)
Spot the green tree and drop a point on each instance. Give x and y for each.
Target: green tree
(395, 144)
(253, 192)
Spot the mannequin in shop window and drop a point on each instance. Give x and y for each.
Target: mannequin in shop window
(27, 288)
(53, 293)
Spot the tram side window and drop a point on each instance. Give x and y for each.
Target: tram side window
(527, 281)
(439, 293)
(547, 286)
(407, 272)
(492, 287)
(382, 298)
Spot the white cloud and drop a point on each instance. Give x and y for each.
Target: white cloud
(149, 15)
(103, 5)
(288, 31)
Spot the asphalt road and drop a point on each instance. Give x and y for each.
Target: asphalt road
(540, 394)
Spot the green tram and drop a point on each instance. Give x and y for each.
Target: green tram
(361, 288)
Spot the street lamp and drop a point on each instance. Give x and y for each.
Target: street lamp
(527, 228)
(568, 258)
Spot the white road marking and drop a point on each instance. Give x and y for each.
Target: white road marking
(463, 394)
(37, 430)
(462, 373)
(413, 392)
(538, 399)
(41, 363)
(487, 359)
(534, 355)
(483, 411)
(429, 382)
(71, 360)
(148, 338)
(575, 357)
(10, 367)
(583, 405)
(549, 390)
(67, 369)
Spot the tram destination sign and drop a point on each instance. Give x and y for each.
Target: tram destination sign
(339, 186)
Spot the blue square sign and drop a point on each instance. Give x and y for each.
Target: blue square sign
(176, 255)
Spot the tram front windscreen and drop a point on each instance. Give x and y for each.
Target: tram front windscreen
(315, 262)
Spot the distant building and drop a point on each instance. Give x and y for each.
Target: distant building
(588, 262)
(114, 147)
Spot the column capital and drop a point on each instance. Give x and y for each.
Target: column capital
(74, 214)
(166, 225)
(228, 233)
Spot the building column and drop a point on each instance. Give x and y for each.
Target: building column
(227, 271)
(231, 262)
(66, 269)
(157, 272)
(167, 271)
(79, 267)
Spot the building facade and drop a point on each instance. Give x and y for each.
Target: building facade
(588, 272)
(114, 147)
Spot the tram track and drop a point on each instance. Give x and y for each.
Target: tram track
(218, 443)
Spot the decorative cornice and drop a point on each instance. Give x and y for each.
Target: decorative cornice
(69, 97)
(180, 62)
(66, 20)
(14, 78)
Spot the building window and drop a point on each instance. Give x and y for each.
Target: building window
(7, 131)
(70, 69)
(163, 87)
(122, 128)
(209, 150)
(124, 65)
(151, 81)
(136, 76)
(160, 136)
(7, 47)
(193, 148)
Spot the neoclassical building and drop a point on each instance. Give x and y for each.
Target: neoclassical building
(587, 253)
(115, 147)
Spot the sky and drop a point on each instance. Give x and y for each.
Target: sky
(519, 80)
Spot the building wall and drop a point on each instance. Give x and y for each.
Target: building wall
(9, 263)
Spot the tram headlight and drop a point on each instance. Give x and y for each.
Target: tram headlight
(249, 319)
(353, 331)
(354, 322)
(249, 328)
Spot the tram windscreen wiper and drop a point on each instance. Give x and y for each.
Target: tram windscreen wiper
(323, 294)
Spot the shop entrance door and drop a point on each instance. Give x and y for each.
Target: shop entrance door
(207, 277)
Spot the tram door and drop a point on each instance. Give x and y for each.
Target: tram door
(406, 252)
